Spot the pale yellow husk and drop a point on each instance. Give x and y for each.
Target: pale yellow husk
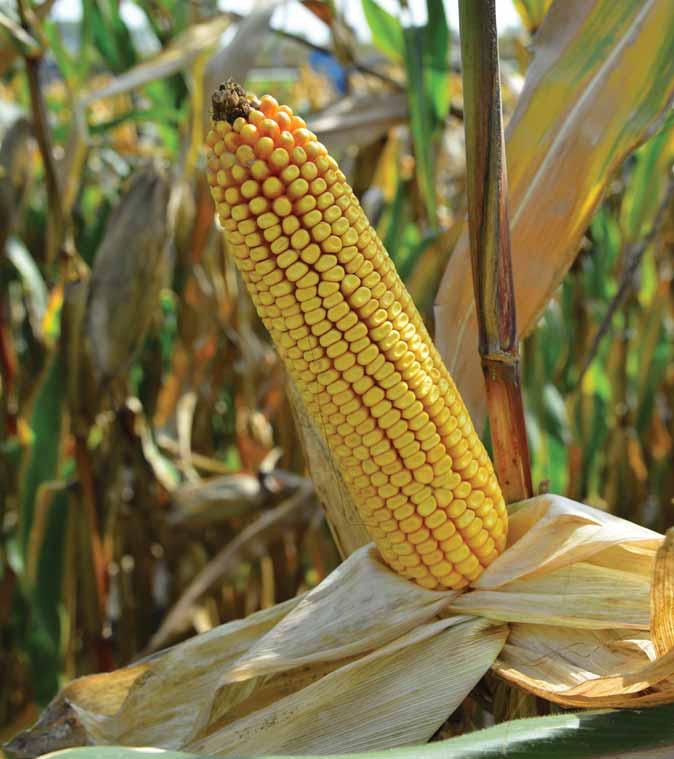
(368, 660)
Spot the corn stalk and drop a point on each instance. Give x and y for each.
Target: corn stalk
(487, 185)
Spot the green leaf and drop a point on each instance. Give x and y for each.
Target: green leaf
(397, 217)
(590, 735)
(427, 69)
(422, 116)
(110, 34)
(436, 66)
(387, 32)
(43, 458)
(66, 63)
(44, 637)
(642, 197)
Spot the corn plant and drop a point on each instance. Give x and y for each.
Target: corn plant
(152, 479)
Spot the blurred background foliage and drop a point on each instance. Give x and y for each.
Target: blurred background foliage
(152, 483)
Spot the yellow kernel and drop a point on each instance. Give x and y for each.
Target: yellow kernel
(348, 322)
(411, 524)
(336, 274)
(463, 490)
(279, 244)
(427, 507)
(350, 284)
(312, 218)
(427, 546)
(297, 188)
(296, 271)
(250, 188)
(354, 374)
(441, 569)
(245, 155)
(316, 316)
(401, 478)
(403, 512)
(308, 280)
(473, 529)
(331, 337)
(282, 206)
(424, 474)
(332, 244)
(272, 187)
(465, 519)
(290, 174)
(444, 531)
(357, 332)
(321, 232)
(456, 508)
(333, 298)
(337, 349)
(373, 396)
(366, 355)
(469, 567)
(338, 312)
(282, 288)
(287, 258)
(458, 555)
(379, 409)
(279, 158)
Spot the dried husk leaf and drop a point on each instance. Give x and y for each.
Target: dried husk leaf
(15, 174)
(129, 270)
(396, 695)
(581, 637)
(348, 530)
(212, 500)
(662, 597)
(592, 669)
(367, 660)
(568, 564)
(363, 618)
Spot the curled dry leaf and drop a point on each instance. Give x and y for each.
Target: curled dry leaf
(359, 119)
(368, 660)
(129, 270)
(662, 597)
(212, 500)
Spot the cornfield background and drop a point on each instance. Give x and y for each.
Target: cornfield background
(152, 480)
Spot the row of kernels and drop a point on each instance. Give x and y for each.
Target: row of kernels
(364, 241)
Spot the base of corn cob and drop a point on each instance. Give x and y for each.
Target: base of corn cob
(354, 343)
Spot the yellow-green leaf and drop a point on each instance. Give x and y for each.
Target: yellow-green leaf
(601, 77)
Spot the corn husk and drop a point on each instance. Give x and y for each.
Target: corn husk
(128, 272)
(367, 660)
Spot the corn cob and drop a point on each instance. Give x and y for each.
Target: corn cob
(354, 344)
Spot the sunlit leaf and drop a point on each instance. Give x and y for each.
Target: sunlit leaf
(601, 77)
(532, 12)
(31, 278)
(387, 32)
(174, 58)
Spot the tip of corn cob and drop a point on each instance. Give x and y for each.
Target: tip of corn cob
(230, 101)
(354, 343)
